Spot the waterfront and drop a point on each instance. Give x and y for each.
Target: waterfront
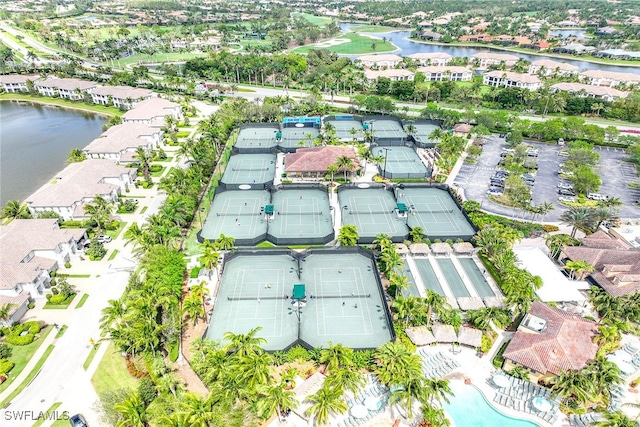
(35, 141)
(407, 47)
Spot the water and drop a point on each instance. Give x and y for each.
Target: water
(35, 141)
(567, 33)
(407, 47)
(469, 409)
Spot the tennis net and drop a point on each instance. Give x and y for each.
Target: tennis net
(249, 169)
(239, 214)
(312, 296)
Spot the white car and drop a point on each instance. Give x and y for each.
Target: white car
(567, 199)
(103, 238)
(596, 196)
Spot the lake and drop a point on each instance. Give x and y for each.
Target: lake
(35, 141)
(407, 47)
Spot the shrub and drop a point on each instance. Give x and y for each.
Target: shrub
(550, 228)
(155, 168)
(31, 305)
(67, 264)
(362, 359)
(48, 297)
(174, 352)
(487, 342)
(298, 353)
(58, 299)
(5, 351)
(5, 366)
(33, 326)
(55, 291)
(133, 369)
(194, 272)
(20, 340)
(147, 390)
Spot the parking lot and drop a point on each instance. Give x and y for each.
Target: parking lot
(615, 174)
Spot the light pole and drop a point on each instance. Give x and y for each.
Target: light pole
(200, 216)
(384, 168)
(298, 314)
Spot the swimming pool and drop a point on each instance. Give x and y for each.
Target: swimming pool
(470, 409)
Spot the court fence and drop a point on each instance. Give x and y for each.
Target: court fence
(299, 256)
(419, 140)
(403, 175)
(395, 140)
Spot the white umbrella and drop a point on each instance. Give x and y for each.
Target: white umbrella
(541, 404)
(372, 403)
(501, 381)
(359, 411)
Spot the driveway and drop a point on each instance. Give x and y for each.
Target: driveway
(615, 174)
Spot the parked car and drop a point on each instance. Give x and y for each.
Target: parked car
(78, 420)
(495, 183)
(563, 153)
(567, 199)
(566, 192)
(565, 185)
(596, 196)
(495, 192)
(103, 238)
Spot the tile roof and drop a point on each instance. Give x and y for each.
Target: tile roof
(392, 72)
(564, 344)
(495, 56)
(78, 181)
(611, 75)
(514, 77)
(120, 137)
(590, 89)
(17, 78)
(150, 108)
(123, 92)
(552, 65)
(452, 69)
(430, 55)
(66, 84)
(379, 58)
(317, 159)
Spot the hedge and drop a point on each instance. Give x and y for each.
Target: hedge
(5, 366)
(20, 340)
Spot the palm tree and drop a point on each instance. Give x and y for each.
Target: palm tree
(192, 307)
(99, 211)
(616, 419)
(274, 398)
(5, 313)
(348, 235)
(437, 389)
(435, 303)
(225, 243)
(544, 208)
(346, 164)
(434, 417)
(244, 344)
(575, 385)
(336, 356)
(76, 155)
(133, 412)
(112, 313)
(144, 158)
(416, 234)
(579, 218)
(210, 255)
(14, 210)
(399, 282)
(346, 379)
(556, 242)
(484, 317)
(325, 402)
(391, 261)
(332, 170)
(604, 214)
(395, 362)
(407, 393)
(578, 269)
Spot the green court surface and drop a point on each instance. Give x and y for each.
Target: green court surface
(237, 214)
(387, 129)
(452, 276)
(422, 132)
(428, 276)
(343, 304)
(434, 210)
(249, 169)
(345, 129)
(372, 211)
(476, 277)
(401, 162)
(301, 216)
(256, 138)
(298, 137)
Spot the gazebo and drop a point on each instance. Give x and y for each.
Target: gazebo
(470, 303)
(470, 337)
(402, 249)
(420, 249)
(444, 333)
(497, 302)
(420, 335)
(442, 248)
(463, 248)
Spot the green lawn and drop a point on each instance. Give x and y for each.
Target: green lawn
(49, 412)
(144, 209)
(315, 20)
(66, 303)
(21, 354)
(90, 357)
(115, 233)
(112, 373)
(113, 255)
(85, 296)
(101, 109)
(61, 331)
(158, 58)
(75, 276)
(358, 44)
(29, 377)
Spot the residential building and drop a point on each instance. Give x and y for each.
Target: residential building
(119, 143)
(616, 262)
(605, 31)
(314, 162)
(618, 54)
(13, 83)
(32, 249)
(430, 35)
(547, 67)
(575, 49)
(482, 38)
(509, 79)
(431, 58)
(124, 97)
(79, 183)
(489, 58)
(152, 112)
(73, 89)
(583, 90)
(379, 61)
(609, 78)
(549, 341)
(450, 72)
(391, 73)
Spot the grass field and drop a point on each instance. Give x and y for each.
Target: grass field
(100, 109)
(112, 373)
(48, 412)
(29, 377)
(21, 354)
(315, 20)
(84, 297)
(358, 44)
(66, 303)
(159, 58)
(90, 357)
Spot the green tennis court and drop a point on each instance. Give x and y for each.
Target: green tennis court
(237, 214)
(372, 211)
(301, 216)
(422, 132)
(387, 129)
(249, 169)
(343, 299)
(401, 162)
(347, 130)
(257, 137)
(294, 137)
(434, 210)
